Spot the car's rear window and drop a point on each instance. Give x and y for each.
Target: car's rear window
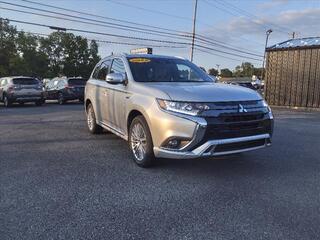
(77, 81)
(25, 81)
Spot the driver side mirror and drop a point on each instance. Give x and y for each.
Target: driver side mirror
(115, 78)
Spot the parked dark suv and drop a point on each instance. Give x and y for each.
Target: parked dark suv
(65, 89)
(21, 89)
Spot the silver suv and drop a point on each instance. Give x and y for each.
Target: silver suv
(21, 90)
(167, 107)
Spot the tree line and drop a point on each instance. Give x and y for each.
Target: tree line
(66, 54)
(59, 53)
(246, 69)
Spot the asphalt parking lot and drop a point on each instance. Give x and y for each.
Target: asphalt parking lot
(59, 182)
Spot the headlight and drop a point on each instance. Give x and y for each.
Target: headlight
(182, 107)
(265, 104)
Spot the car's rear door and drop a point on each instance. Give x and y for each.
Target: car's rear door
(101, 94)
(2, 84)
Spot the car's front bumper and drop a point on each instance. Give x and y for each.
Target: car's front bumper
(219, 133)
(218, 147)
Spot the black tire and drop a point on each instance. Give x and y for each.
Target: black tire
(39, 103)
(146, 156)
(93, 127)
(7, 102)
(61, 99)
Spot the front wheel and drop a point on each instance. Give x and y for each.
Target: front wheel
(7, 102)
(140, 142)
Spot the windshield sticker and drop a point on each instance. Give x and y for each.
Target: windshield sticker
(140, 60)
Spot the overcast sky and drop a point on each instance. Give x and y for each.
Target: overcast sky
(240, 24)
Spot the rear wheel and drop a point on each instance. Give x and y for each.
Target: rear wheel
(61, 99)
(140, 142)
(39, 102)
(6, 101)
(93, 127)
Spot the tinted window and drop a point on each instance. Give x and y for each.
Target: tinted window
(25, 81)
(77, 81)
(96, 72)
(104, 70)
(118, 66)
(166, 70)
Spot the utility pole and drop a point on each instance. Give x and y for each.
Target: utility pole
(193, 29)
(268, 32)
(265, 48)
(218, 68)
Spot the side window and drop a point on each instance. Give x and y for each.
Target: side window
(118, 67)
(104, 70)
(186, 73)
(96, 72)
(55, 83)
(2, 82)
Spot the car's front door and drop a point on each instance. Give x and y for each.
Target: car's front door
(119, 94)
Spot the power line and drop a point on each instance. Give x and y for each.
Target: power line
(203, 40)
(130, 37)
(83, 18)
(250, 15)
(108, 41)
(162, 13)
(223, 8)
(218, 55)
(175, 32)
(150, 10)
(90, 23)
(98, 33)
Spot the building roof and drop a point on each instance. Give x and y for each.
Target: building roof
(297, 43)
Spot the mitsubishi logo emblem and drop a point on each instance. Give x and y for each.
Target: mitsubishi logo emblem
(242, 109)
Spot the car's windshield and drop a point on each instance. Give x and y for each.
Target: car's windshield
(77, 81)
(165, 70)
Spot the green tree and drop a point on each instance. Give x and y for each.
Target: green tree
(245, 70)
(8, 50)
(213, 72)
(226, 72)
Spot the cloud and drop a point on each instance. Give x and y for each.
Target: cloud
(271, 4)
(305, 22)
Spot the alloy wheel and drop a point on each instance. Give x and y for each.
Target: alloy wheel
(138, 141)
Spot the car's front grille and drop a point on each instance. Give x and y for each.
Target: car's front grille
(230, 122)
(241, 118)
(224, 129)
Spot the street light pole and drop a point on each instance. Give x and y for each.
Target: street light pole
(193, 29)
(268, 32)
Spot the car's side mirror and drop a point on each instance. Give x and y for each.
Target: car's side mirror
(115, 78)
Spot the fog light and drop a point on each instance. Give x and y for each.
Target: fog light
(173, 143)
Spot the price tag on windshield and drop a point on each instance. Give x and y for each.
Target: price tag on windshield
(140, 60)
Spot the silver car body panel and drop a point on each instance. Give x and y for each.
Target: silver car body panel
(113, 104)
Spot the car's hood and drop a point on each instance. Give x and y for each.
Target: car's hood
(205, 92)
